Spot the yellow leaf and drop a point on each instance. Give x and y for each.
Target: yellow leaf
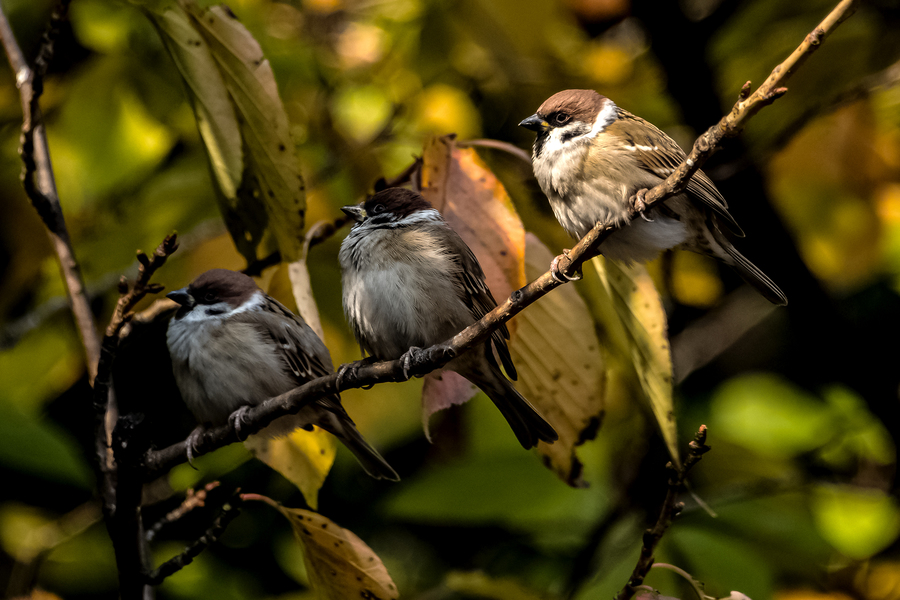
(641, 320)
(338, 563)
(303, 457)
(562, 372)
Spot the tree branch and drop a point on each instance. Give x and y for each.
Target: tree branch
(230, 510)
(38, 179)
(670, 508)
(366, 374)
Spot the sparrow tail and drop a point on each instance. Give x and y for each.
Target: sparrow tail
(342, 427)
(528, 425)
(755, 277)
(750, 272)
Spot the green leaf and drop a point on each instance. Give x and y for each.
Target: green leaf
(38, 447)
(858, 522)
(242, 122)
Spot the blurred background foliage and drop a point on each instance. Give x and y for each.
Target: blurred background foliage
(802, 403)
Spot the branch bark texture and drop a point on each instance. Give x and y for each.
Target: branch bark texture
(38, 179)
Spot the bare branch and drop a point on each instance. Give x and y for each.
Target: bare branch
(670, 508)
(230, 510)
(38, 179)
(192, 499)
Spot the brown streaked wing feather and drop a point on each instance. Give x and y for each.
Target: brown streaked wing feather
(300, 348)
(476, 295)
(668, 156)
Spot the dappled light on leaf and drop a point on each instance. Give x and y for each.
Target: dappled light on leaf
(561, 369)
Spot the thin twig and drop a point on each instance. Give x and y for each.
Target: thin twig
(38, 179)
(105, 411)
(193, 499)
(230, 510)
(670, 508)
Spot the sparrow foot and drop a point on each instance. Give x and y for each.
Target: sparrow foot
(192, 440)
(411, 359)
(348, 373)
(238, 417)
(559, 275)
(640, 205)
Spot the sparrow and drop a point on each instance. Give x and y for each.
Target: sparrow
(409, 281)
(594, 161)
(233, 346)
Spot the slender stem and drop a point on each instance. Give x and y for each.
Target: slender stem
(40, 185)
(670, 508)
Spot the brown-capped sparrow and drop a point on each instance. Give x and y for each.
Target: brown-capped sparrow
(593, 159)
(409, 281)
(234, 346)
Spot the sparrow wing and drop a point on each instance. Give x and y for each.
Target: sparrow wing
(303, 353)
(474, 292)
(661, 156)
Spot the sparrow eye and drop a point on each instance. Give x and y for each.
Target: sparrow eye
(559, 118)
(209, 297)
(379, 208)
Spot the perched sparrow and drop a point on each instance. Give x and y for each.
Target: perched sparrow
(233, 346)
(592, 159)
(410, 281)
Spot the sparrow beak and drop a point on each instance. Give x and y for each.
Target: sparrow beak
(355, 212)
(535, 123)
(182, 297)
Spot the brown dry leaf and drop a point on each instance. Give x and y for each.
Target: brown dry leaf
(475, 204)
(562, 371)
(339, 564)
(303, 457)
(640, 316)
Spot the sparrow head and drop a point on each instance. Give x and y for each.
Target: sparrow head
(218, 292)
(392, 207)
(568, 116)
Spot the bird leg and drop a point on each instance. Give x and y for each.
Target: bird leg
(637, 201)
(348, 372)
(412, 358)
(559, 275)
(191, 441)
(236, 418)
